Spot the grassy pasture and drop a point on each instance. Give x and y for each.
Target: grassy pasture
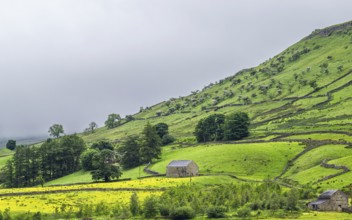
(255, 161)
(321, 136)
(316, 156)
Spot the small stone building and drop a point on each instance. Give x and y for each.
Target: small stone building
(182, 168)
(331, 200)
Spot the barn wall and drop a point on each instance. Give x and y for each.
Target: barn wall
(190, 170)
(337, 202)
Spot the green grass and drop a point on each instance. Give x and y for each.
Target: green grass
(307, 168)
(3, 160)
(255, 161)
(316, 156)
(5, 151)
(322, 136)
(3, 156)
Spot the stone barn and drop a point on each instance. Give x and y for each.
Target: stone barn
(182, 168)
(331, 200)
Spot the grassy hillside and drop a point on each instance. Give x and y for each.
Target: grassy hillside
(301, 95)
(306, 87)
(301, 130)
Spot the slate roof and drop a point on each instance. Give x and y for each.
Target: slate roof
(327, 194)
(318, 202)
(179, 163)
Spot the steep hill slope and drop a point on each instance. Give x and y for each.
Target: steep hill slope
(306, 87)
(299, 103)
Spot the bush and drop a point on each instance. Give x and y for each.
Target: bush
(164, 210)
(244, 212)
(167, 139)
(37, 216)
(150, 207)
(216, 212)
(183, 212)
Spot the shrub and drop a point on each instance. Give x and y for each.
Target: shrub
(164, 210)
(183, 212)
(134, 204)
(37, 216)
(216, 212)
(150, 207)
(244, 212)
(167, 139)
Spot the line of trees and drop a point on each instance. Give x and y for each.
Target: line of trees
(104, 162)
(32, 165)
(218, 127)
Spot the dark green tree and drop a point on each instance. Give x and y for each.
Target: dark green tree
(150, 207)
(7, 174)
(161, 129)
(130, 151)
(105, 166)
(91, 128)
(134, 204)
(101, 145)
(150, 144)
(87, 159)
(113, 121)
(11, 144)
(167, 139)
(73, 146)
(56, 130)
(236, 126)
(210, 128)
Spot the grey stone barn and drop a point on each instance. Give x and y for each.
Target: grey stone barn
(330, 200)
(182, 168)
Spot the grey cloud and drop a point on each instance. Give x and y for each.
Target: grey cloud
(72, 62)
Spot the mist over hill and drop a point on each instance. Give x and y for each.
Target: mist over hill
(22, 140)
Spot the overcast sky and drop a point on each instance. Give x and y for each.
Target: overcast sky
(76, 61)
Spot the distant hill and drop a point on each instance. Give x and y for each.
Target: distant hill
(22, 140)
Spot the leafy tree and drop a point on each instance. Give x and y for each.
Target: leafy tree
(236, 126)
(91, 128)
(150, 207)
(183, 212)
(129, 118)
(7, 174)
(101, 145)
(134, 204)
(151, 144)
(130, 151)
(210, 128)
(11, 144)
(56, 130)
(292, 200)
(87, 159)
(161, 129)
(113, 120)
(167, 139)
(73, 147)
(216, 212)
(105, 166)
